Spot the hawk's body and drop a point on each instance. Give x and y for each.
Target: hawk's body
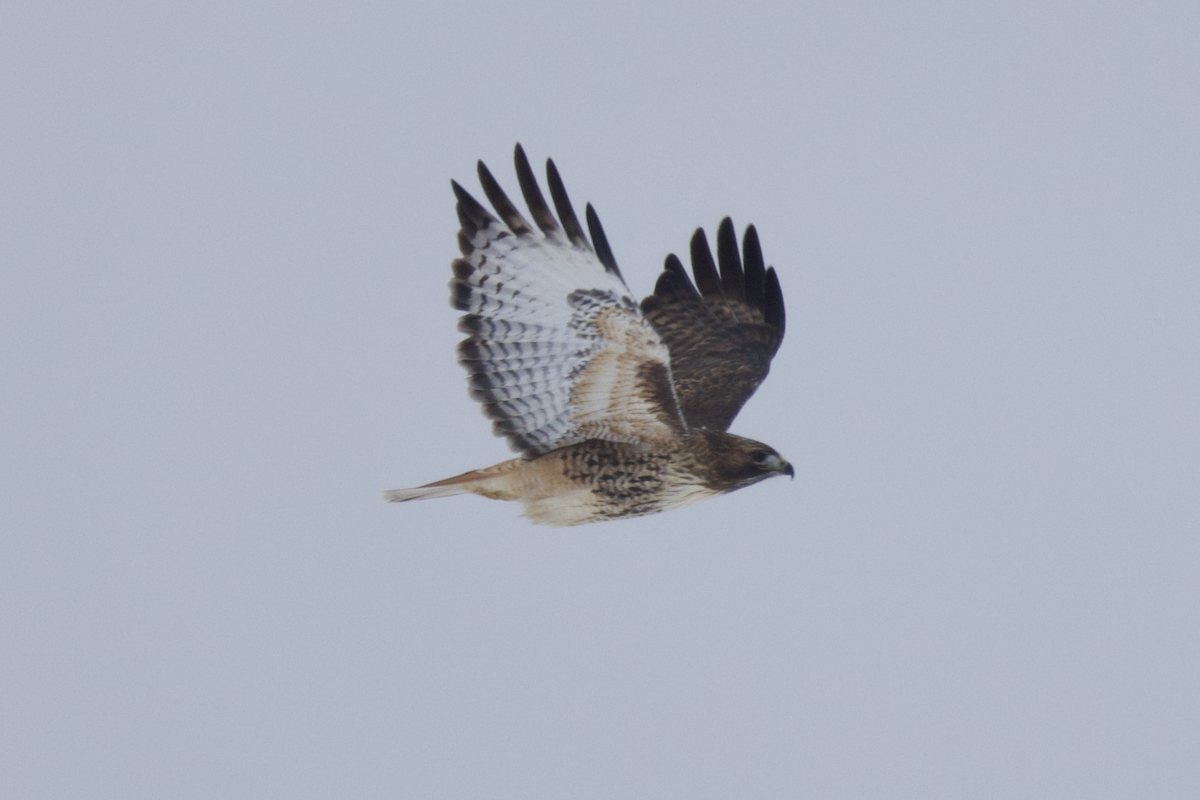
(619, 409)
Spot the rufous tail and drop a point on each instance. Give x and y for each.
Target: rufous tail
(477, 481)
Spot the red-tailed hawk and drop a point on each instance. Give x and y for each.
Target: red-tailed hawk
(618, 409)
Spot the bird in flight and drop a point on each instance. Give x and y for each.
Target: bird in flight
(618, 408)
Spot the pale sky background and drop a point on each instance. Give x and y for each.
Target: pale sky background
(225, 236)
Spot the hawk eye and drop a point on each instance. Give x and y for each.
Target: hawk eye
(758, 457)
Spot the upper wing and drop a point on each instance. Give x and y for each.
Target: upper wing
(723, 337)
(558, 350)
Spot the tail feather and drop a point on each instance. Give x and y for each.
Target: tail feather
(422, 492)
(476, 481)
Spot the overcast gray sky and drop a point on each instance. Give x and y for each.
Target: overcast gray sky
(224, 330)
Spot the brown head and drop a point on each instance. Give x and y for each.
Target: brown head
(735, 461)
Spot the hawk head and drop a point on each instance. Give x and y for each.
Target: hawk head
(738, 461)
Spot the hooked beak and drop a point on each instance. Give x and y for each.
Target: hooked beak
(786, 469)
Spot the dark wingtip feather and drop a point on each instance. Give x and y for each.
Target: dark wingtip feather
(732, 282)
(753, 267)
(464, 196)
(600, 242)
(533, 193)
(499, 200)
(677, 278)
(562, 203)
(673, 286)
(707, 280)
(773, 305)
(471, 215)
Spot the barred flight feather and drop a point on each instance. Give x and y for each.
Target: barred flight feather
(555, 337)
